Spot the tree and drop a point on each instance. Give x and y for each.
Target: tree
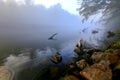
(110, 9)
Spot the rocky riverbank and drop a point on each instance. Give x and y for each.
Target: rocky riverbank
(91, 64)
(94, 64)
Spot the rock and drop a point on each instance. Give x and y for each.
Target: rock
(109, 57)
(117, 51)
(73, 70)
(96, 57)
(104, 64)
(112, 55)
(98, 71)
(84, 51)
(71, 66)
(79, 44)
(79, 48)
(82, 64)
(6, 73)
(70, 77)
(76, 73)
(87, 57)
(78, 51)
(56, 59)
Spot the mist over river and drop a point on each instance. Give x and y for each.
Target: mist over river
(25, 30)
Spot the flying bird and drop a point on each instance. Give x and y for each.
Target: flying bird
(52, 37)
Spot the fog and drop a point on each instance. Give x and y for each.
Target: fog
(32, 25)
(29, 27)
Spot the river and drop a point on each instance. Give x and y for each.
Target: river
(30, 60)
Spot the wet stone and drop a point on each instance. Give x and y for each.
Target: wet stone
(97, 71)
(96, 57)
(5, 73)
(56, 59)
(82, 64)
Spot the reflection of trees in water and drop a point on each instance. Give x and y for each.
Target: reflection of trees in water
(110, 34)
(109, 12)
(7, 51)
(108, 8)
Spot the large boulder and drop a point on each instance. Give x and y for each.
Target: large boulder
(112, 55)
(98, 71)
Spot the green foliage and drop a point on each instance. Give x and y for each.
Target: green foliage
(109, 50)
(116, 45)
(113, 46)
(117, 67)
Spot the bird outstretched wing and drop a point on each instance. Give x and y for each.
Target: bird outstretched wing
(52, 37)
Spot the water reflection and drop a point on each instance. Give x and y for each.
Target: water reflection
(32, 59)
(16, 61)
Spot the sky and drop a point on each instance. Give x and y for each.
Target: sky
(68, 5)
